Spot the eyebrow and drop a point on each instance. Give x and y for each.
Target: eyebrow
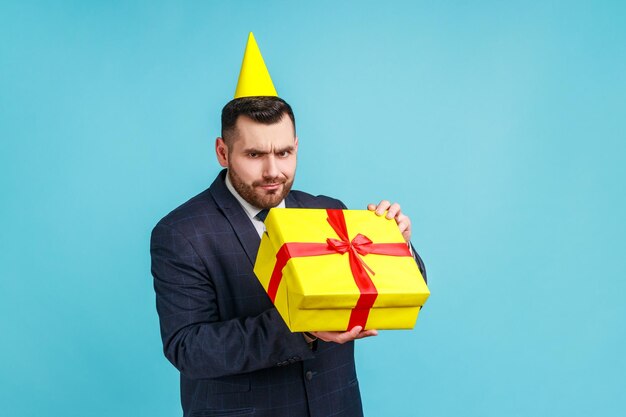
(254, 150)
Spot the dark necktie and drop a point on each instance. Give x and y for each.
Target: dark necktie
(261, 215)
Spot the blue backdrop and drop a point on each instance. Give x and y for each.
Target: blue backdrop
(499, 126)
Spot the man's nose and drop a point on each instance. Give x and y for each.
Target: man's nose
(270, 169)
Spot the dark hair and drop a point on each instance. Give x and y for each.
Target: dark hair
(262, 109)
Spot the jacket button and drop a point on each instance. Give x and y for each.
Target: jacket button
(308, 375)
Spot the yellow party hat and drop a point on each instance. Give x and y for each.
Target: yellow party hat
(254, 78)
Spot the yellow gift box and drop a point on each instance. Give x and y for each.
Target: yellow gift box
(335, 269)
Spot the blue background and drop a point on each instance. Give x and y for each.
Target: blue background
(499, 127)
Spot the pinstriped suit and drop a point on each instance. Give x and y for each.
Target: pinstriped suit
(235, 355)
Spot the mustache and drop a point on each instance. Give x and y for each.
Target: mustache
(271, 181)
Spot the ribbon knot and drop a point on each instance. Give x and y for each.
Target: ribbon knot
(361, 244)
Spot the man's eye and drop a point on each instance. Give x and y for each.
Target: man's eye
(284, 154)
(253, 155)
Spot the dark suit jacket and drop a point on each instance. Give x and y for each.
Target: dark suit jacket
(233, 350)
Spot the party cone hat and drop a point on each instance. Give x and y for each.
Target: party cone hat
(254, 78)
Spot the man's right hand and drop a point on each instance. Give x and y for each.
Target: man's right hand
(357, 332)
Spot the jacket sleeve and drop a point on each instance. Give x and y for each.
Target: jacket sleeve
(420, 263)
(197, 342)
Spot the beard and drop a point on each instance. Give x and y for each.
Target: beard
(257, 196)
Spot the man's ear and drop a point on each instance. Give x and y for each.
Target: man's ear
(296, 143)
(221, 151)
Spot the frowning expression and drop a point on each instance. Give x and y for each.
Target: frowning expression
(261, 160)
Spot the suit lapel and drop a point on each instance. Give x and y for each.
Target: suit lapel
(291, 202)
(236, 216)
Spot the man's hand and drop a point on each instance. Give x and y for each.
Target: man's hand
(357, 332)
(393, 212)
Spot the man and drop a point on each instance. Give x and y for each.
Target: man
(234, 352)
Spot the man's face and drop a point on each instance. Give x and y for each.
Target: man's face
(261, 160)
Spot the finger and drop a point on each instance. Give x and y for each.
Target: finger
(354, 332)
(367, 333)
(394, 211)
(371, 207)
(406, 234)
(349, 335)
(382, 207)
(403, 222)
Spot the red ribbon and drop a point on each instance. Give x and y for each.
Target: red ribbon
(359, 246)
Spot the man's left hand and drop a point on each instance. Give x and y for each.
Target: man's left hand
(393, 212)
(355, 333)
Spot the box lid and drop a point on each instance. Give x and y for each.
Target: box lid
(326, 281)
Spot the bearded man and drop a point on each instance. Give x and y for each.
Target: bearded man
(219, 328)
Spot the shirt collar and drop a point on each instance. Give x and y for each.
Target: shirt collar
(250, 210)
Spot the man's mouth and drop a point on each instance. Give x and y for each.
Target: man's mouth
(271, 186)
